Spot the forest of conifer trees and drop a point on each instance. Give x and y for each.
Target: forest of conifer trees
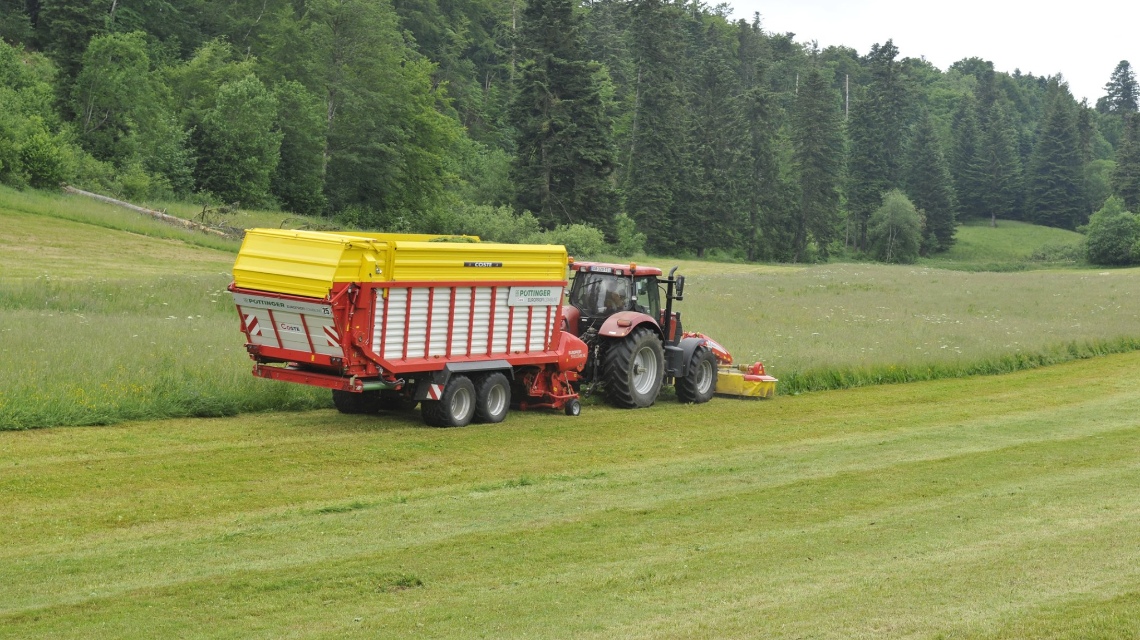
(662, 126)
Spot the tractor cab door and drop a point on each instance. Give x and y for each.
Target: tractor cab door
(647, 296)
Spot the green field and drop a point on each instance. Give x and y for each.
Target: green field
(965, 507)
(991, 507)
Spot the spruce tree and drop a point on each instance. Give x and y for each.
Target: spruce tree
(928, 185)
(998, 166)
(564, 138)
(877, 131)
(818, 141)
(769, 197)
(1054, 181)
(714, 202)
(655, 157)
(1126, 175)
(965, 159)
(1122, 91)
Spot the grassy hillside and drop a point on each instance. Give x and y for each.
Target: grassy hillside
(106, 316)
(997, 507)
(1011, 246)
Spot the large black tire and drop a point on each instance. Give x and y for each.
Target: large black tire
(633, 369)
(396, 401)
(492, 398)
(699, 383)
(352, 402)
(455, 408)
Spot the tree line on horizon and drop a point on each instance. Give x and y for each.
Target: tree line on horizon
(656, 125)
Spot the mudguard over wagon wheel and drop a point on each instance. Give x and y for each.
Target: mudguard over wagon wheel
(699, 383)
(633, 369)
(455, 407)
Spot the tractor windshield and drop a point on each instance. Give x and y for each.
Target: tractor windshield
(600, 294)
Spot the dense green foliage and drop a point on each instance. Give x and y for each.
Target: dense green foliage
(1114, 235)
(895, 229)
(405, 114)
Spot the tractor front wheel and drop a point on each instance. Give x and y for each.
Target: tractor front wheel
(699, 383)
(633, 369)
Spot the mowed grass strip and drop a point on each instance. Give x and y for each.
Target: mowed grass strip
(987, 507)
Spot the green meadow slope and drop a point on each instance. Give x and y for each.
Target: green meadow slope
(1010, 246)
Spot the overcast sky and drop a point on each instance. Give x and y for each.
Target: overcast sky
(1083, 41)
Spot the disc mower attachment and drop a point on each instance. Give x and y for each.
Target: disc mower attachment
(745, 381)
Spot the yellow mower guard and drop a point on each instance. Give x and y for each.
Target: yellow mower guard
(745, 381)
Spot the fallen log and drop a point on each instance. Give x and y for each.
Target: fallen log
(157, 215)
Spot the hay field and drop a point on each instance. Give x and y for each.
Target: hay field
(987, 507)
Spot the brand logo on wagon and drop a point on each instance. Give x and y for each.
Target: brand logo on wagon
(534, 296)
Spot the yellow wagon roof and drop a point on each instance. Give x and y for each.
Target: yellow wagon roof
(309, 263)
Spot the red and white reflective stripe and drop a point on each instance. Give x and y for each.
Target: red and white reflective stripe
(435, 391)
(331, 337)
(251, 325)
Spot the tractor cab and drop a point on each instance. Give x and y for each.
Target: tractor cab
(602, 290)
(604, 294)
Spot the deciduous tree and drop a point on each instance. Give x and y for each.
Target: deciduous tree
(895, 232)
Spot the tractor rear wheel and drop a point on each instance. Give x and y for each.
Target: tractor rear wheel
(699, 383)
(492, 398)
(353, 402)
(633, 368)
(455, 408)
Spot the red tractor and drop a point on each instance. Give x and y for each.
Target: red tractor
(635, 344)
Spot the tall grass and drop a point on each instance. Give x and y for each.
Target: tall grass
(101, 351)
(839, 326)
(94, 352)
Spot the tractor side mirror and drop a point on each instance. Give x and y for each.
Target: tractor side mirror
(680, 288)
